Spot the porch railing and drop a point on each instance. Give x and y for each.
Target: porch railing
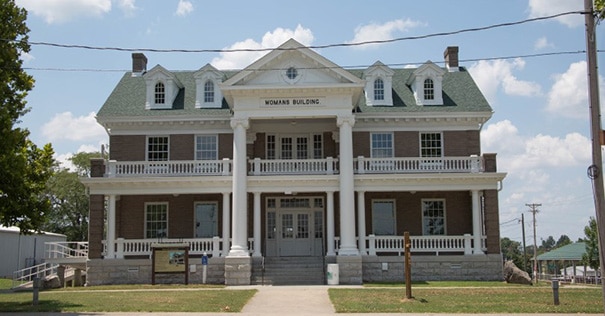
(197, 246)
(168, 168)
(472, 164)
(66, 250)
(293, 166)
(430, 244)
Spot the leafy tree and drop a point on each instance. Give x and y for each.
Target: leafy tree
(548, 244)
(591, 257)
(81, 161)
(512, 250)
(599, 6)
(24, 167)
(563, 241)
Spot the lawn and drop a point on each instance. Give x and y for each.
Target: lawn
(129, 299)
(468, 298)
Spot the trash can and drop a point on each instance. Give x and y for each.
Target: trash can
(333, 274)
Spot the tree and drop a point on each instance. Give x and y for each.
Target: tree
(24, 167)
(591, 257)
(512, 250)
(599, 6)
(563, 241)
(548, 244)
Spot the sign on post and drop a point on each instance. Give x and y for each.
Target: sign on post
(170, 258)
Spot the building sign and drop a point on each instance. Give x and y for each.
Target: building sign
(312, 101)
(170, 258)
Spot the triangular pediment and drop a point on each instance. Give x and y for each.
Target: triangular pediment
(291, 64)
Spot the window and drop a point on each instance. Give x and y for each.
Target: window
(209, 92)
(157, 148)
(271, 147)
(433, 217)
(156, 220)
(160, 93)
(206, 147)
(291, 73)
(382, 145)
(378, 89)
(383, 218)
(429, 89)
(302, 147)
(430, 145)
(319, 224)
(206, 220)
(317, 146)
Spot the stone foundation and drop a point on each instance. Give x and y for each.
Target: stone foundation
(238, 270)
(433, 268)
(350, 270)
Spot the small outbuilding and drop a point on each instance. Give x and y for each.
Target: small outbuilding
(21, 251)
(564, 263)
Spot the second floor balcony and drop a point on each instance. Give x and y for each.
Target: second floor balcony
(276, 167)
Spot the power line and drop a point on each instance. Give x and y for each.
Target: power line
(362, 43)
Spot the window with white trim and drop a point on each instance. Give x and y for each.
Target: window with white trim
(431, 145)
(206, 147)
(429, 89)
(383, 218)
(433, 217)
(157, 148)
(206, 219)
(209, 92)
(156, 220)
(160, 93)
(381, 145)
(318, 146)
(378, 89)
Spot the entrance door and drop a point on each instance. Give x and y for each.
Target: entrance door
(295, 238)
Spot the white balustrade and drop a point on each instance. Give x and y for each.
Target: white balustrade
(472, 164)
(293, 166)
(168, 168)
(66, 249)
(197, 246)
(432, 244)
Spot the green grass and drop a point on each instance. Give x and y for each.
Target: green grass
(6, 284)
(470, 299)
(129, 299)
(417, 284)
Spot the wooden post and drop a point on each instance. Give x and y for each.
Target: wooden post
(408, 265)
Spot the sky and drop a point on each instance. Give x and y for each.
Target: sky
(532, 73)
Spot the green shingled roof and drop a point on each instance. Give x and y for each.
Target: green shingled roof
(460, 94)
(569, 252)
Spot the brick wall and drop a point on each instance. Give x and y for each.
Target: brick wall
(96, 225)
(127, 147)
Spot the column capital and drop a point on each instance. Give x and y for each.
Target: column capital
(349, 119)
(244, 122)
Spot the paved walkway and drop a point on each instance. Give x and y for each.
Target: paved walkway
(284, 300)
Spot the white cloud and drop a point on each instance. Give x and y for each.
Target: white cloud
(539, 8)
(184, 7)
(379, 32)
(495, 74)
(64, 126)
(238, 60)
(64, 159)
(127, 6)
(568, 96)
(58, 11)
(543, 43)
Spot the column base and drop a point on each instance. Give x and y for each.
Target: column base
(238, 270)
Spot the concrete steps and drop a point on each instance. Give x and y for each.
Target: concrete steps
(289, 271)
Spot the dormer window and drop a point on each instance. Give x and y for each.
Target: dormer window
(209, 92)
(427, 84)
(160, 93)
(162, 88)
(429, 89)
(207, 84)
(378, 89)
(379, 85)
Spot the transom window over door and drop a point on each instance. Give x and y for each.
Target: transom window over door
(157, 148)
(383, 217)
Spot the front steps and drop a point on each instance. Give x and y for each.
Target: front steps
(289, 271)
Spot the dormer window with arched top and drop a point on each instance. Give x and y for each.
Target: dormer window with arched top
(208, 93)
(160, 93)
(427, 84)
(378, 90)
(379, 85)
(162, 88)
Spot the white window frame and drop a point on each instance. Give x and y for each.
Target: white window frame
(277, 143)
(145, 223)
(214, 222)
(159, 95)
(420, 136)
(209, 95)
(373, 147)
(147, 151)
(394, 217)
(197, 150)
(424, 226)
(428, 89)
(379, 91)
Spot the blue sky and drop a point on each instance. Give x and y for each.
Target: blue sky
(539, 129)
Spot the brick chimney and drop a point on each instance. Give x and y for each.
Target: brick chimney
(451, 58)
(139, 64)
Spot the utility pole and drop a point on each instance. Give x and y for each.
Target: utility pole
(595, 170)
(524, 248)
(534, 210)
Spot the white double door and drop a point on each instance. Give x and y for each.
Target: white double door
(292, 233)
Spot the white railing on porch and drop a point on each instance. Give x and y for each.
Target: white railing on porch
(472, 164)
(293, 166)
(66, 250)
(197, 246)
(168, 168)
(430, 244)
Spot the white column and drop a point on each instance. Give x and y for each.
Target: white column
(361, 221)
(476, 223)
(348, 247)
(111, 228)
(239, 245)
(330, 223)
(226, 224)
(257, 235)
